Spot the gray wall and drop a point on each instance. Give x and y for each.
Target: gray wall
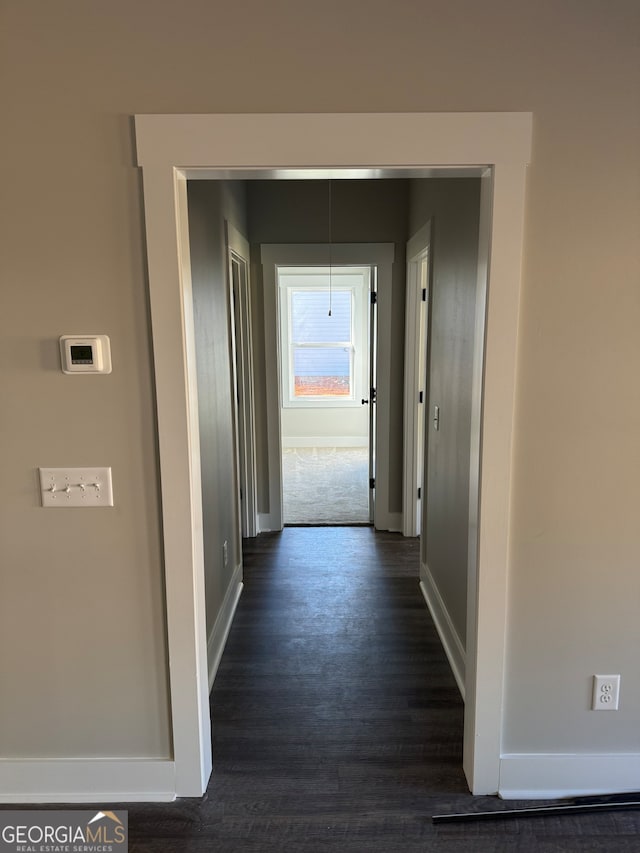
(72, 260)
(452, 206)
(361, 212)
(210, 203)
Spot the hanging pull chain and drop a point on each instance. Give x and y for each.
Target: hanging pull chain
(330, 252)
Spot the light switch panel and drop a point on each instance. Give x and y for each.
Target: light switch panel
(65, 487)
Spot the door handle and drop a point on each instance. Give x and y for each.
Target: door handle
(364, 402)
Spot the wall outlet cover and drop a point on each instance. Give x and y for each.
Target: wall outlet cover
(606, 693)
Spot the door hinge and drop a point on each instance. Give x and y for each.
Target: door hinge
(421, 397)
(419, 492)
(374, 297)
(372, 482)
(372, 394)
(424, 294)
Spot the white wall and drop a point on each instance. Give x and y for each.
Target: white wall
(343, 427)
(72, 259)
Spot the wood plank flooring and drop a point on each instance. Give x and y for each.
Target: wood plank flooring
(337, 725)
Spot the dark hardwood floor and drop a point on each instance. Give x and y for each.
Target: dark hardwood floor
(337, 725)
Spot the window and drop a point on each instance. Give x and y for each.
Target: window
(322, 346)
(323, 355)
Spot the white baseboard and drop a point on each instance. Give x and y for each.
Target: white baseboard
(449, 637)
(554, 775)
(325, 441)
(220, 630)
(107, 780)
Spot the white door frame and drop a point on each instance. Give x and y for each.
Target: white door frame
(173, 148)
(415, 357)
(379, 255)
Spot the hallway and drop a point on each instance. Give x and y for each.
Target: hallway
(335, 714)
(337, 724)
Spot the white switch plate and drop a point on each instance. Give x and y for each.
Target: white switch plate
(64, 487)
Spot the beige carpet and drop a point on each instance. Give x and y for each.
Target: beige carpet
(325, 485)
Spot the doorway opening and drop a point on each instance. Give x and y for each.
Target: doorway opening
(306, 351)
(173, 149)
(326, 410)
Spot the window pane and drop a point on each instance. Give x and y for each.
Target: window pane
(310, 319)
(321, 371)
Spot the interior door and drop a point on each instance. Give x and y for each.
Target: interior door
(373, 326)
(416, 379)
(242, 364)
(421, 390)
(237, 440)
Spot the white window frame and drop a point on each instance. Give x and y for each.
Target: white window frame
(294, 279)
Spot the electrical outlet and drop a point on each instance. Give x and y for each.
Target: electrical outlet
(606, 692)
(225, 554)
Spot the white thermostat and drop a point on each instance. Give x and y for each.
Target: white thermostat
(85, 353)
